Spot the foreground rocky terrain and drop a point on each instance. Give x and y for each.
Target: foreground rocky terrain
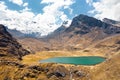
(109, 70)
(86, 36)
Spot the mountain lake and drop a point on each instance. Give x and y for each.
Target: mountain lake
(84, 60)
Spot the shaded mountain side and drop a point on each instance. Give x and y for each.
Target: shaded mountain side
(9, 46)
(83, 24)
(18, 35)
(58, 31)
(15, 33)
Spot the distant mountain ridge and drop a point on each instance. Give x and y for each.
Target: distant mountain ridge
(110, 21)
(18, 34)
(83, 32)
(83, 22)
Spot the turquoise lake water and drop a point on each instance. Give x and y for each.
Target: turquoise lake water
(85, 60)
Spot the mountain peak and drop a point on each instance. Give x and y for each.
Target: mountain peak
(83, 24)
(84, 19)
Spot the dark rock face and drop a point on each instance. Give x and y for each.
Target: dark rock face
(80, 73)
(83, 24)
(118, 42)
(38, 68)
(90, 21)
(59, 71)
(9, 46)
(60, 74)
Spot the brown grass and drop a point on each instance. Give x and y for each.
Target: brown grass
(35, 58)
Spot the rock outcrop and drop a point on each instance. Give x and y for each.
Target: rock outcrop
(9, 46)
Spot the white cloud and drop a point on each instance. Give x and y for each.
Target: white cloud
(27, 21)
(52, 12)
(89, 2)
(107, 9)
(2, 6)
(25, 4)
(18, 2)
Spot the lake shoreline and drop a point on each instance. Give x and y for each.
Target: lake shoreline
(82, 60)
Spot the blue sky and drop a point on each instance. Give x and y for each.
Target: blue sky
(45, 16)
(79, 7)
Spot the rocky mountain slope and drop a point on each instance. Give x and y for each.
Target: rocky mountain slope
(83, 32)
(85, 24)
(9, 46)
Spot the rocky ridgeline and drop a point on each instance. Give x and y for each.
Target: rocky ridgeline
(85, 24)
(9, 46)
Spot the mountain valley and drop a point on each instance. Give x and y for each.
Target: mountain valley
(86, 36)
